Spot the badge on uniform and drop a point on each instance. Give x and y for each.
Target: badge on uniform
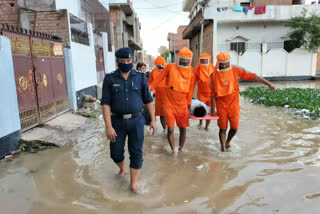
(226, 83)
(116, 85)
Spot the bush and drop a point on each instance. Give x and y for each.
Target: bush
(297, 98)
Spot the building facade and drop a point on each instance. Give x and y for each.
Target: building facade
(126, 27)
(257, 33)
(87, 53)
(176, 42)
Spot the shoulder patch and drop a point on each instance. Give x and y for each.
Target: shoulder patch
(110, 73)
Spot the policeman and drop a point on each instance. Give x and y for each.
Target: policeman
(125, 91)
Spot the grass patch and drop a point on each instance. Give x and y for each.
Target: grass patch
(297, 98)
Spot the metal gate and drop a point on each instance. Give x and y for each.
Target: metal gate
(40, 76)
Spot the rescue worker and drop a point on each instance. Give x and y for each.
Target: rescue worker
(160, 92)
(179, 79)
(124, 93)
(203, 72)
(225, 95)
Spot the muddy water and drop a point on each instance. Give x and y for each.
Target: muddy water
(272, 167)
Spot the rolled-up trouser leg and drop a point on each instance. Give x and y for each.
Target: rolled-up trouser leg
(117, 148)
(135, 127)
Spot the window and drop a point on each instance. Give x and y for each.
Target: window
(239, 47)
(79, 30)
(245, 4)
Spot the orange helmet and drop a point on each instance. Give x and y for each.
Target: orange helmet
(223, 56)
(185, 53)
(160, 61)
(223, 62)
(185, 58)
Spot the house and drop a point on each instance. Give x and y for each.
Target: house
(176, 42)
(54, 52)
(255, 38)
(126, 28)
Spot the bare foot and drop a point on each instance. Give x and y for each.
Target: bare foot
(228, 145)
(134, 189)
(207, 128)
(122, 172)
(223, 149)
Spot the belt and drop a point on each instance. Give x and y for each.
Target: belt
(125, 116)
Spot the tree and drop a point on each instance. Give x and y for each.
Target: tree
(305, 31)
(165, 55)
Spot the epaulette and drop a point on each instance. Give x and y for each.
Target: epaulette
(110, 73)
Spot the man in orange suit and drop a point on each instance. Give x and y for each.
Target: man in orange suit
(179, 79)
(203, 72)
(225, 95)
(160, 90)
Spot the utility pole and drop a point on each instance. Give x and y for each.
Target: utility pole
(174, 48)
(203, 5)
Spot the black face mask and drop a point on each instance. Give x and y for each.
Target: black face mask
(125, 68)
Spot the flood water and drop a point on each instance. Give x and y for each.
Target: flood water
(273, 166)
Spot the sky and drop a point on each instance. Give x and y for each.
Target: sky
(158, 18)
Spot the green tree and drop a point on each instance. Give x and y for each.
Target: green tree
(165, 55)
(305, 31)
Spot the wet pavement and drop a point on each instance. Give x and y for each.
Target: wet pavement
(273, 166)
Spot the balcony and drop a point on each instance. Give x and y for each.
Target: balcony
(273, 13)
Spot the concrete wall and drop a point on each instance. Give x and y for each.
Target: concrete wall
(252, 32)
(277, 63)
(273, 13)
(109, 57)
(84, 63)
(9, 110)
(73, 6)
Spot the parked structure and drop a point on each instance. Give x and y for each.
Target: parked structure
(255, 36)
(176, 42)
(126, 27)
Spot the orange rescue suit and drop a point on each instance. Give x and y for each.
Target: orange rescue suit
(179, 90)
(202, 74)
(225, 88)
(159, 91)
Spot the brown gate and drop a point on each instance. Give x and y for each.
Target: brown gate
(40, 76)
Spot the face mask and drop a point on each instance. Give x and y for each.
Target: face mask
(160, 67)
(125, 68)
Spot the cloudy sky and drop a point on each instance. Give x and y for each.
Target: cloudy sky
(158, 18)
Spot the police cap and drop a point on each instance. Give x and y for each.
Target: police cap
(124, 53)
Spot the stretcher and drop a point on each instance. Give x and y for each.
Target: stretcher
(207, 117)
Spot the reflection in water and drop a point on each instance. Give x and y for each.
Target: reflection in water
(272, 167)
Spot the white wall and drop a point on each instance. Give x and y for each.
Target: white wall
(276, 13)
(109, 57)
(73, 6)
(254, 32)
(84, 63)
(277, 62)
(251, 60)
(299, 62)
(9, 110)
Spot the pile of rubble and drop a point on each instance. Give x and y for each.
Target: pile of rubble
(90, 106)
